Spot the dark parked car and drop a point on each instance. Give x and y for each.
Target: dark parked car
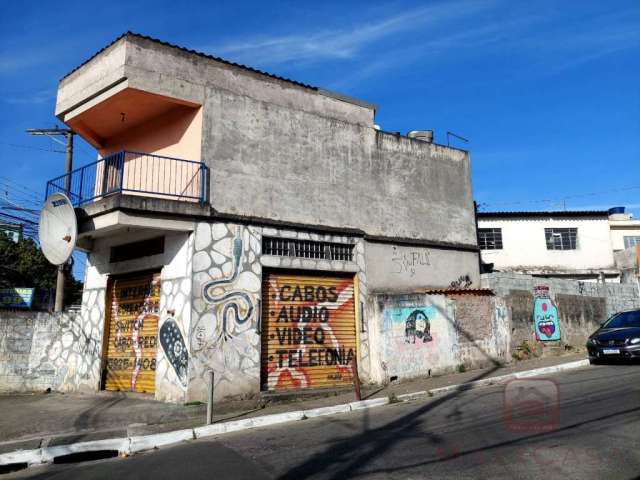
(617, 338)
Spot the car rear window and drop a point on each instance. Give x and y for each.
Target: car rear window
(624, 319)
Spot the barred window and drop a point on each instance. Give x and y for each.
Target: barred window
(490, 238)
(561, 238)
(631, 241)
(289, 247)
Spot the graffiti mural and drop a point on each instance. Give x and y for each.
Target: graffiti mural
(417, 325)
(418, 338)
(224, 327)
(232, 301)
(175, 348)
(545, 315)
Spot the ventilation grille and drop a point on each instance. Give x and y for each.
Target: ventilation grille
(287, 247)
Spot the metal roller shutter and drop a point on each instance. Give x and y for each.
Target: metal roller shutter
(308, 331)
(133, 334)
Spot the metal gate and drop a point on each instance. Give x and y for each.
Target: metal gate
(132, 326)
(308, 331)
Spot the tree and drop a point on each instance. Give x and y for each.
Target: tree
(22, 264)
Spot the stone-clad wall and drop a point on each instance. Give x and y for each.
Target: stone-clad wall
(62, 352)
(224, 333)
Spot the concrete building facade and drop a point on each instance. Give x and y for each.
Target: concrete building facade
(239, 222)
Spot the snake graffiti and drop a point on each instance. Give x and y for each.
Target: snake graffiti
(235, 302)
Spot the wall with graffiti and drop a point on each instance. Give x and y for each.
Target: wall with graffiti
(172, 371)
(225, 330)
(545, 315)
(39, 350)
(224, 335)
(420, 335)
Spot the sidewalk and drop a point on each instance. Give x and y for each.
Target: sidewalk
(31, 421)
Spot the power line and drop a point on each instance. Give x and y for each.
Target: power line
(562, 199)
(21, 191)
(29, 147)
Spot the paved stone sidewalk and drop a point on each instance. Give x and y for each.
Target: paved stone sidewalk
(34, 420)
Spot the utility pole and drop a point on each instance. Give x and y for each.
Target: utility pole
(53, 133)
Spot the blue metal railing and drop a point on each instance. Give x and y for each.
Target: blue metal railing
(135, 173)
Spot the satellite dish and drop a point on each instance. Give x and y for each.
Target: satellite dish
(58, 229)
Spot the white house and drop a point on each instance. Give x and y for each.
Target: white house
(564, 244)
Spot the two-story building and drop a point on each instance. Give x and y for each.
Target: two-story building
(562, 244)
(237, 221)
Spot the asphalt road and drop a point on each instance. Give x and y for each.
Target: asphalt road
(581, 424)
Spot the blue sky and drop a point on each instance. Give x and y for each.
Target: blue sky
(547, 92)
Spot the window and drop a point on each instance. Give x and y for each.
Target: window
(631, 241)
(561, 238)
(144, 248)
(287, 247)
(490, 238)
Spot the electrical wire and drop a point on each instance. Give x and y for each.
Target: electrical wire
(31, 147)
(561, 199)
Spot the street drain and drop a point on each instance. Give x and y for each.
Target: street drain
(86, 456)
(13, 467)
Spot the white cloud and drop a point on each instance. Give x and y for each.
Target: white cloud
(342, 43)
(540, 44)
(41, 96)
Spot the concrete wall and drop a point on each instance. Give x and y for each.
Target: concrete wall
(276, 162)
(524, 245)
(581, 306)
(463, 329)
(398, 268)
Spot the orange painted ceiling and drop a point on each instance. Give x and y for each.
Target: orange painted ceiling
(122, 111)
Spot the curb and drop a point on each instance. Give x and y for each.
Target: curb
(503, 378)
(130, 445)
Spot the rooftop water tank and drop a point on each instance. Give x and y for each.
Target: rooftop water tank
(614, 210)
(424, 135)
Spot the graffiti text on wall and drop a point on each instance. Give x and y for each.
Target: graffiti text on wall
(463, 281)
(545, 315)
(131, 358)
(309, 336)
(408, 262)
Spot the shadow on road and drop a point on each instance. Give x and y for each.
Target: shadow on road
(355, 452)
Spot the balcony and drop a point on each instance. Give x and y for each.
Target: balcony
(136, 174)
